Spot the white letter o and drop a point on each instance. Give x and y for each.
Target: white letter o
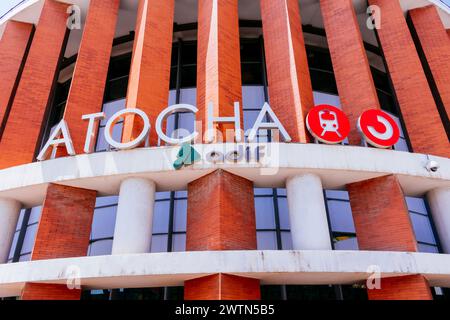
(132, 144)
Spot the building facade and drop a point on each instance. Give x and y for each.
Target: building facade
(108, 213)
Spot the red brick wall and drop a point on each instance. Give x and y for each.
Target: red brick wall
(63, 232)
(221, 216)
(423, 123)
(65, 224)
(351, 67)
(414, 287)
(381, 216)
(221, 213)
(88, 82)
(13, 49)
(222, 287)
(148, 86)
(382, 223)
(288, 75)
(22, 132)
(42, 291)
(435, 46)
(218, 61)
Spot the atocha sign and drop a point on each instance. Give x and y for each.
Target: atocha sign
(326, 123)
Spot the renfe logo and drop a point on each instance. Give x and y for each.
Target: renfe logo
(326, 123)
(379, 129)
(330, 125)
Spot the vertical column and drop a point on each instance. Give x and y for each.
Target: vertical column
(423, 123)
(382, 223)
(221, 216)
(134, 219)
(434, 47)
(290, 88)
(148, 87)
(63, 232)
(88, 82)
(351, 67)
(218, 61)
(13, 51)
(439, 202)
(307, 213)
(22, 132)
(9, 214)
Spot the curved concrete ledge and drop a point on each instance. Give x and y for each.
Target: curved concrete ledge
(271, 267)
(336, 165)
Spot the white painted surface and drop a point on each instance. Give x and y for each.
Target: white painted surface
(271, 267)
(134, 222)
(307, 213)
(335, 165)
(439, 202)
(9, 214)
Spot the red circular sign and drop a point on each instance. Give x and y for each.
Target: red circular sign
(379, 128)
(328, 124)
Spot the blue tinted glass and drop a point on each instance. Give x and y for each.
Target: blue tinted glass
(267, 240)
(265, 217)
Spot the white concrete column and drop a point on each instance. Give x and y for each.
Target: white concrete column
(9, 214)
(307, 213)
(134, 220)
(439, 202)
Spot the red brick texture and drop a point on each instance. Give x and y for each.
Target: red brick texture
(423, 123)
(218, 62)
(351, 67)
(63, 232)
(43, 291)
(13, 51)
(414, 287)
(221, 213)
(221, 216)
(65, 224)
(22, 132)
(435, 47)
(222, 287)
(288, 75)
(382, 223)
(150, 67)
(88, 82)
(381, 216)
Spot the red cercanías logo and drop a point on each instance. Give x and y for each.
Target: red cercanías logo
(328, 124)
(378, 128)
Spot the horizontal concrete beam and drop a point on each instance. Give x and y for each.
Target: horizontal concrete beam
(271, 267)
(336, 166)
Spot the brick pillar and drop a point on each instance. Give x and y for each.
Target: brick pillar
(22, 133)
(221, 216)
(382, 223)
(218, 61)
(423, 123)
(14, 48)
(148, 87)
(88, 82)
(351, 67)
(434, 48)
(63, 232)
(222, 287)
(290, 88)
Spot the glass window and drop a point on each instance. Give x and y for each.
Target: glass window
(267, 240)
(103, 222)
(341, 218)
(265, 218)
(100, 248)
